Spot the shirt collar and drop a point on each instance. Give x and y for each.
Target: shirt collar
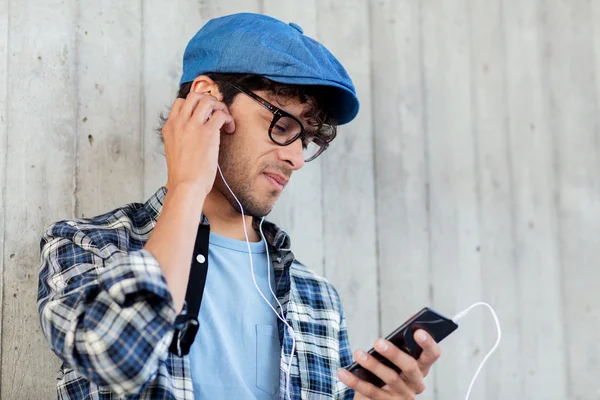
(275, 237)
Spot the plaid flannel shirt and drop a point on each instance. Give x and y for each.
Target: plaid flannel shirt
(107, 312)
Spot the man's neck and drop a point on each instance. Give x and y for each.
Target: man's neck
(225, 220)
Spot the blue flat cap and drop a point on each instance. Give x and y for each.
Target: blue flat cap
(249, 43)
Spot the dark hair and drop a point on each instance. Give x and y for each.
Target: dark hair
(315, 118)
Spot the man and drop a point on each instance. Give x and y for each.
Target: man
(116, 300)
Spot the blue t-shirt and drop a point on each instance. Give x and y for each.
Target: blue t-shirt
(236, 352)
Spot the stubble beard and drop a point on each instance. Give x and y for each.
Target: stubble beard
(237, 170)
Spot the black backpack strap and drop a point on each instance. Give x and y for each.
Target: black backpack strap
(187, 325)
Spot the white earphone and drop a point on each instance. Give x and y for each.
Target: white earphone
(281, 317)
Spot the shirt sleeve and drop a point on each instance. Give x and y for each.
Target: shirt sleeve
(345, 392)
(108, 316)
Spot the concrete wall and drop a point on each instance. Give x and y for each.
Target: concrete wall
(471, 173)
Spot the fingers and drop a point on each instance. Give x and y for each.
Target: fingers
(220, 119)
(176, 107)
(431, 351)
(361, 387)
(198, 104)
(198, 108)
(408, 383)
(229, 126)
(217, 108)
(411, 374)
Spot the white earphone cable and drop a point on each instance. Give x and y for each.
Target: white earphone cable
(281, 317)
(498, 329)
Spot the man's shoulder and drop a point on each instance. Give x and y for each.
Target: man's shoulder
(118, 227)
(303, 271)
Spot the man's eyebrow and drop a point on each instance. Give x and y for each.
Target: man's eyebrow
(274, 100)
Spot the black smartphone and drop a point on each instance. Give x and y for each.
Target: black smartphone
(432, 322)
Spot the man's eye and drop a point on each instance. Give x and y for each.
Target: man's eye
(279, 129)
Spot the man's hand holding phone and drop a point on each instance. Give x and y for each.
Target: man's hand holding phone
(405, 385)
(395, 367)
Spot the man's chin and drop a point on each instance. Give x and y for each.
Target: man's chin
(256, 206)
(256, 209)
(263, 211)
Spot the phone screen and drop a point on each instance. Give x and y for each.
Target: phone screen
(434, 323)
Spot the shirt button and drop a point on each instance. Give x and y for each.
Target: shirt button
(200, 258)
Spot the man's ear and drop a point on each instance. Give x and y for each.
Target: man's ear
(205, 85)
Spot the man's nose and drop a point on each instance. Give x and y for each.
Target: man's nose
(293, 154)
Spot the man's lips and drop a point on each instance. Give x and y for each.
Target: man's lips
(279, 180)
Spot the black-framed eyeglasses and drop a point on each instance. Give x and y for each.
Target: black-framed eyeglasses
(286, 129)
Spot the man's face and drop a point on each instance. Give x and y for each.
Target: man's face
(255, 168)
